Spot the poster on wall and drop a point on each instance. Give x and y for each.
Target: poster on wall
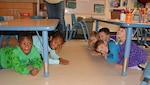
(114, 3)
(99, 8)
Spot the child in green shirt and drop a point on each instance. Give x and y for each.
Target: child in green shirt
(21, 56)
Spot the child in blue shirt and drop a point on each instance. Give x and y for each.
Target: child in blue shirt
(104, 34)
(109, 51)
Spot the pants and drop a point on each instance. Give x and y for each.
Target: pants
(56, 11)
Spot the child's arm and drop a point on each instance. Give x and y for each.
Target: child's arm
(36, 63)
(53, 55)
(113, 54)
(104, 55)
(53, 61)
(35, 60)
(18, 67)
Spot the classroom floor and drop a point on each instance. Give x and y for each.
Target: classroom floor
(84, 69)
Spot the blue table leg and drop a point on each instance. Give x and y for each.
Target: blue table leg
(146, 75)
(127, 50)
(97, 25)
(45, 52)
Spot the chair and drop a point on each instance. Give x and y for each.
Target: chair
(141, 35)
(36, 17)
(67, 30)
(6, 35)
(79, 25)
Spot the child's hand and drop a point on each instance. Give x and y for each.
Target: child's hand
(63, 61)
(104, 55)
(34, 72)
(93, 53)
(90, 48)
(119, 66)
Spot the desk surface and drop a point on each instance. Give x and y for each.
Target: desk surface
(29, 24)
(117, 22)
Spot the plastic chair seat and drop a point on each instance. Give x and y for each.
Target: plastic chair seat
(36, 17)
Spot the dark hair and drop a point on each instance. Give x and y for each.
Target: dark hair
(58, 34)
(105, 30)
(21, 35)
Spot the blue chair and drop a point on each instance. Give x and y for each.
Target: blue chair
(67, 31)
(141, 35)
(36, 17)
(79, 25)
(5, 35)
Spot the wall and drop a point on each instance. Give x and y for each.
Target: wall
(18, 0)
(79, 12)
(84, 8)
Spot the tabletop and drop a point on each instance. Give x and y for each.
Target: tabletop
(45, 24)
(118, 22)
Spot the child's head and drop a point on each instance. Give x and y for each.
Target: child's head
(92, 39)
(104, 34)
(56, 41)
(121, 34)
(101, 47)
(25, 42)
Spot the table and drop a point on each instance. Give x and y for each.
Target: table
(129, 27)
(43, 25)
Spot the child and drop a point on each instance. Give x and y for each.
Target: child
(56, 42)
(104, 34)
(137, 55)
(109, 51)
(92, 39)
(22, 55)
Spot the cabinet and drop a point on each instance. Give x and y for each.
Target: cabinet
(16, 9)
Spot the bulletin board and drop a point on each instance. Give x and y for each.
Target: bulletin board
(89, 6)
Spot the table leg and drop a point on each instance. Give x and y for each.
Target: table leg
(127, 50)
(45, 52)
(97, 25)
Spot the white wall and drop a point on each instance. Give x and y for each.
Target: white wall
(79, 12)
(18, 0)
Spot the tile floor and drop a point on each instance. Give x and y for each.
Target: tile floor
(83, 70)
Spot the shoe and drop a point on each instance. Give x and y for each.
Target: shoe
(142, 66)
(135, 67)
